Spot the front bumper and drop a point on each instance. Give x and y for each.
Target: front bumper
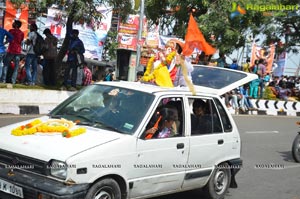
(33, 185)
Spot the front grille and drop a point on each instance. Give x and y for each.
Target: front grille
(14, 160)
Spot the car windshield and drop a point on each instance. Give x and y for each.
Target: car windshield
(108, 107)
(215, 78)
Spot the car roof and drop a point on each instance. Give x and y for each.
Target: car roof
(206, 79)
(219, 80)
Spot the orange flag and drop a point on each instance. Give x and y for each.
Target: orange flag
(11, 15)
(195, 39)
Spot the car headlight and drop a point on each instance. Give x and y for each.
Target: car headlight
(58, 169)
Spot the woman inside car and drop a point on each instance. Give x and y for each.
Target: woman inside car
(162, 125)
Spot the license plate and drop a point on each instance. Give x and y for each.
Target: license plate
(11, 189)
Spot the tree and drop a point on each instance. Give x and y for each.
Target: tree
(224, 32)
(111, 46)
(78, 11)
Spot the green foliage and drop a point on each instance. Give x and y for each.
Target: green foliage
(17, 3)
(213, 18)
(111, 44)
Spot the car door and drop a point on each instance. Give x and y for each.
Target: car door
(207, 147)
(158, 168)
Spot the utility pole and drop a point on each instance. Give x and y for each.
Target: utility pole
(133, 67)
(141, 27)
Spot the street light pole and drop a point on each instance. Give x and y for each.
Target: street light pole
(134, 64)
(139, 37)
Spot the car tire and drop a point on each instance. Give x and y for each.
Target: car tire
(219, 182)
(107, 188)
(296, 148)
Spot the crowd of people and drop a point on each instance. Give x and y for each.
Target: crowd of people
(19, 64)
(266, 86)
(31, 61)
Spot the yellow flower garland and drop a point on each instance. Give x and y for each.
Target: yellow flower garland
(53, 126)
(149, 73)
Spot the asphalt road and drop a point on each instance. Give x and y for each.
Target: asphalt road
(266, 142)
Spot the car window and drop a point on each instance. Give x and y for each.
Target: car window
(224, 117)
(201, 76)
(204, 117)
(215, 118)
(167, 120)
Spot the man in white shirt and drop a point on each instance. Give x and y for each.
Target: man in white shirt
(31, 61)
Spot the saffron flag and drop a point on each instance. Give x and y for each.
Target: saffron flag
(195, 39)
(21, 14)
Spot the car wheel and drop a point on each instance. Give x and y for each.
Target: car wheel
(296, 148)
(105, 189)
(219, 182)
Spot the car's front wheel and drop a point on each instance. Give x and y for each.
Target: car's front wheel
(296, 148)
(219, 182)
(104, 189)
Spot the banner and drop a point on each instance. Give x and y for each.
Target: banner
(21, 14)
(280, 62)
(93, 35)
(56, 22)
(152, 39)
(266, 53)
(127, 35)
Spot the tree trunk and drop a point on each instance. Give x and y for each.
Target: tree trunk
(59, 65)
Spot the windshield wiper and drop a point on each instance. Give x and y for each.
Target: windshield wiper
(84, 123)
(55, 116)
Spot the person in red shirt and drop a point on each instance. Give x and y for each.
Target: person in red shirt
(14, 51)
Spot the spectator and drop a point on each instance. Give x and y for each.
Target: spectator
(31, 61)
(297, 84)
(231, 100)
(267, 79)
(284, 93)
(21, 77)
(109, 75)
(139, 75)
(239, 100)
(75, 58)
(14, 51)
(5, 37)
(244, 90)
(97, 74)
(49, 72)
(282, 80)
(87, 75)
(254, 87)
(221, 61)
(253, 69)
(246, 66)
(234, 65)
(261, 72)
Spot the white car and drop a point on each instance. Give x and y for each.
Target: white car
(97, 143)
